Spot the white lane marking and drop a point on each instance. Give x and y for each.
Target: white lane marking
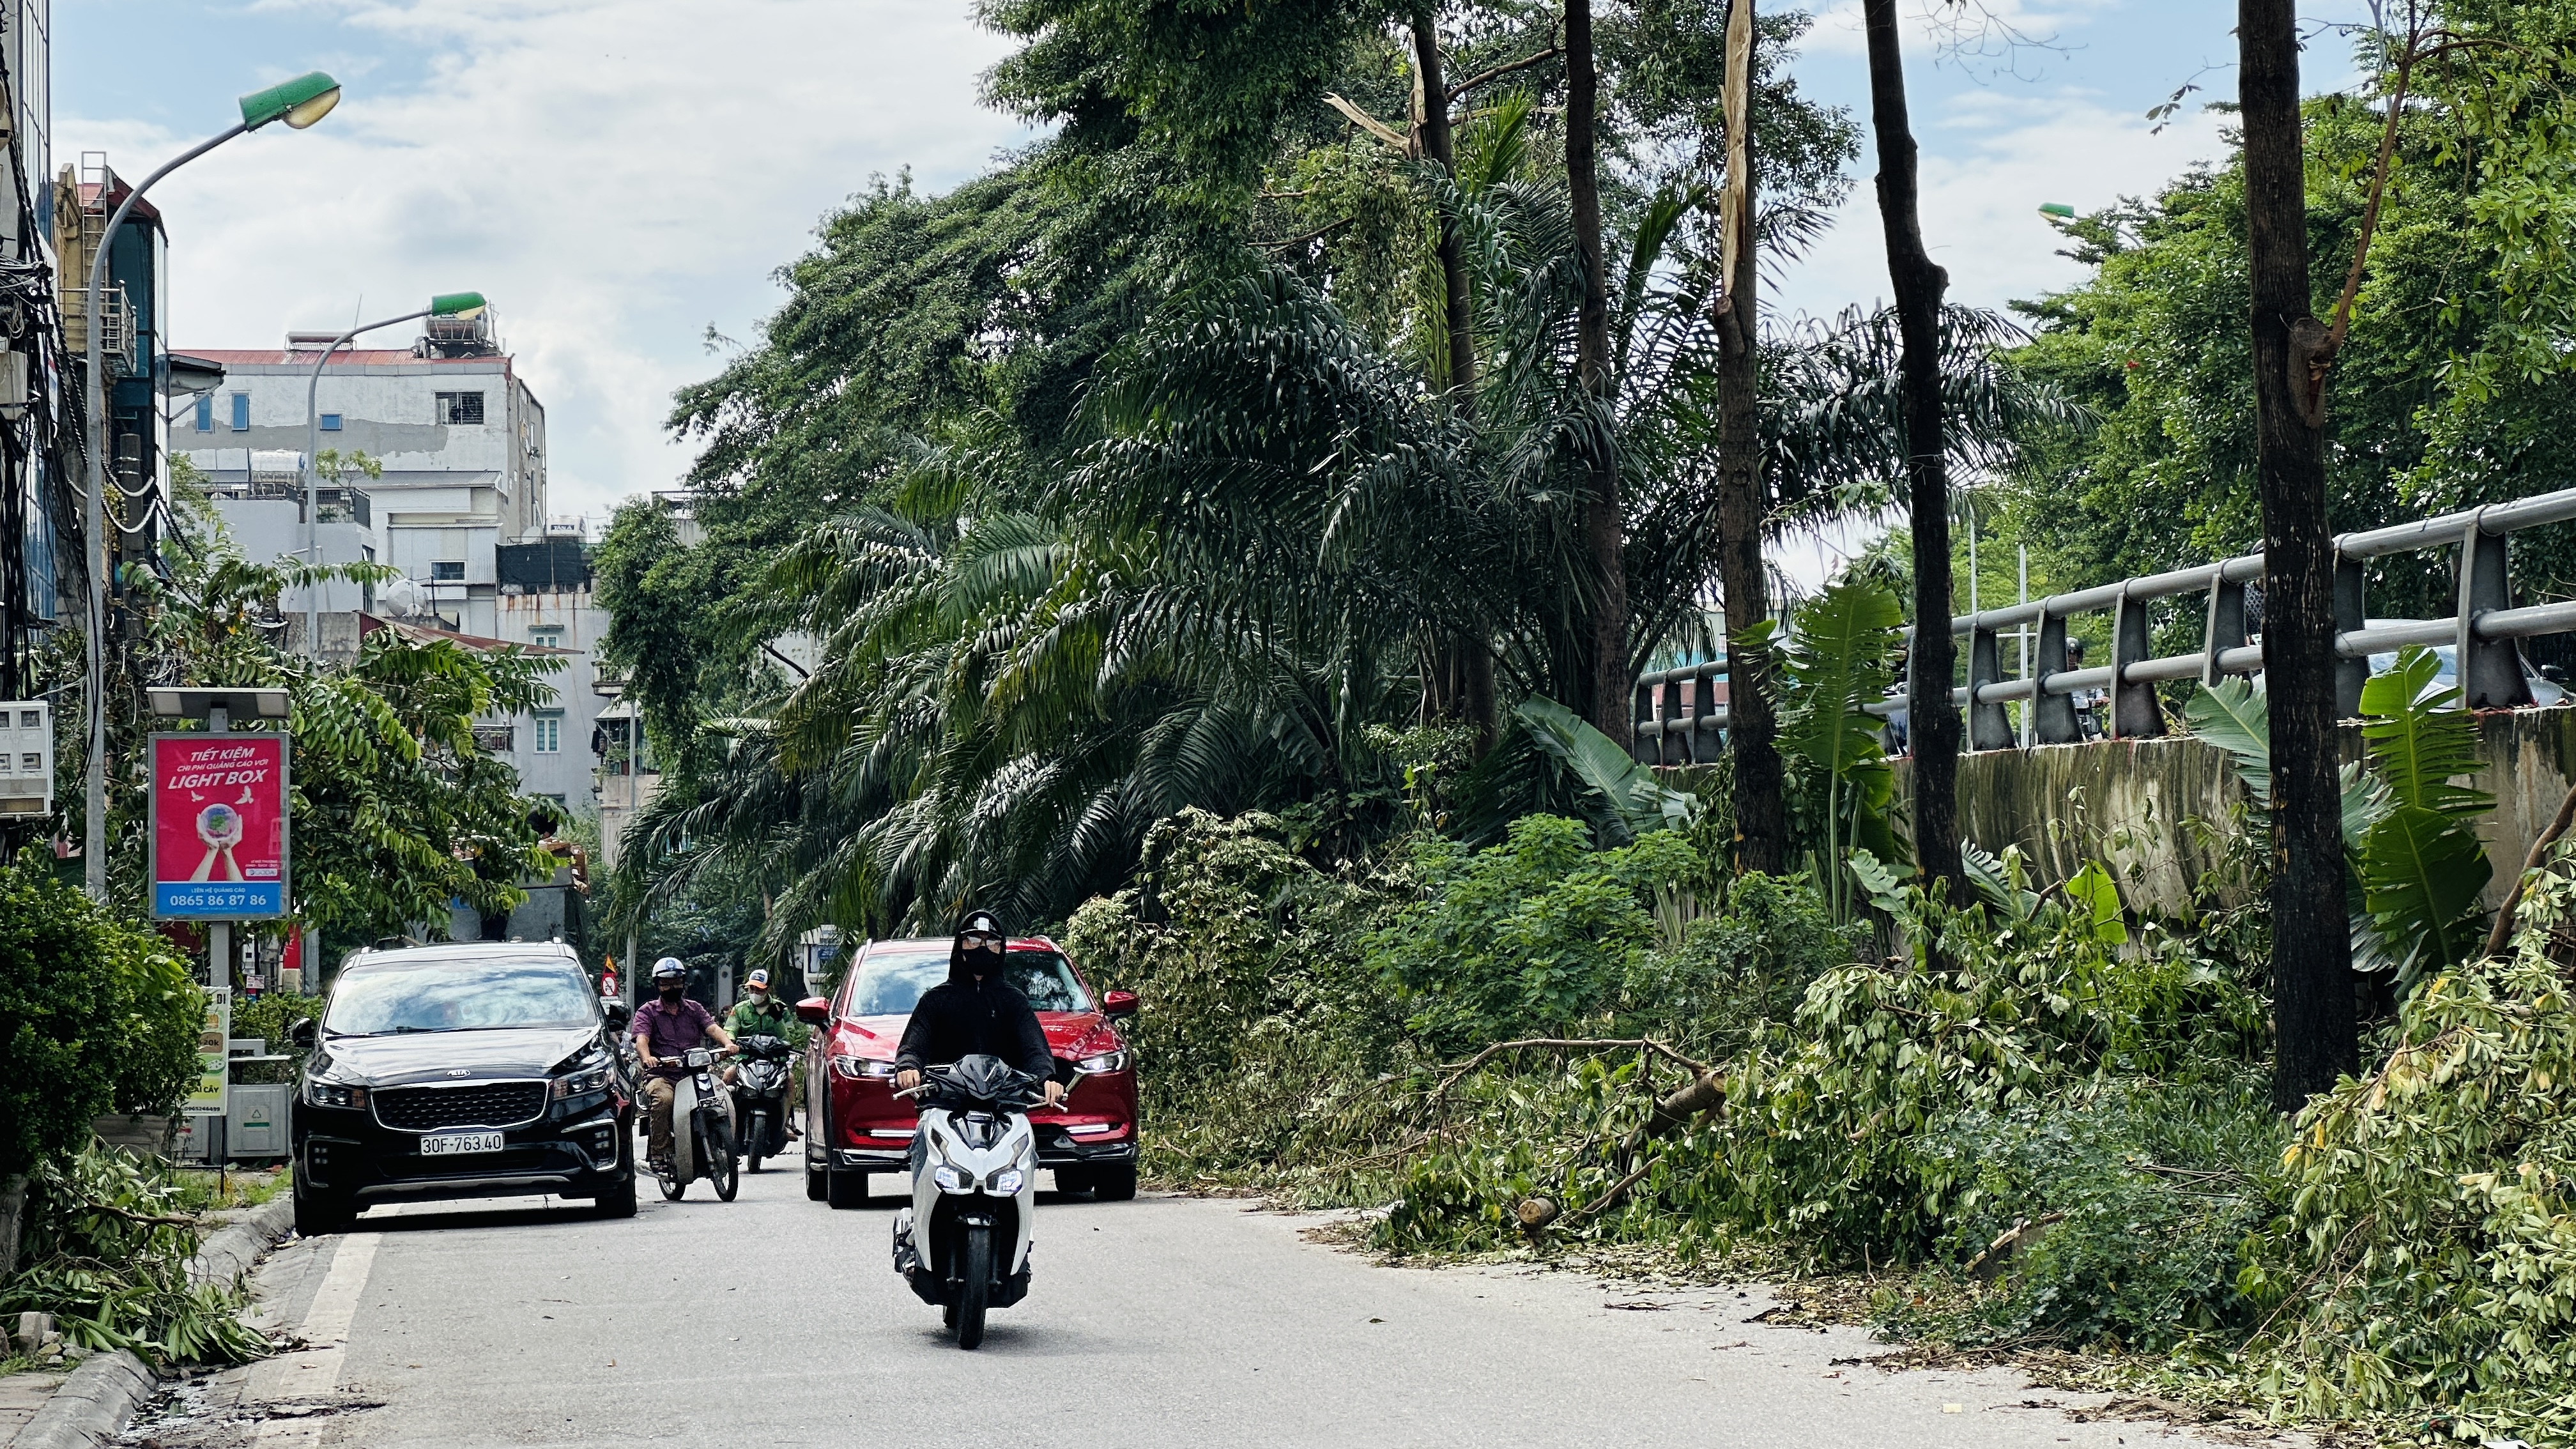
(313, 1372)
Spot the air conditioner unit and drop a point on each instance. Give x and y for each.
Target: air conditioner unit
(26, 758)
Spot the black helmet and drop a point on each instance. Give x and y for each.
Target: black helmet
(975, 924)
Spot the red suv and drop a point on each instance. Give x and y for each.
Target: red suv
(855, 1125)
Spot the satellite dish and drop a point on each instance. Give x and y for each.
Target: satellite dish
(400, 599)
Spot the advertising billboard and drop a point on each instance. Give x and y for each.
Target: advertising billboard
(219, 837)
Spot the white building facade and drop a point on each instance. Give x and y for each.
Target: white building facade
(461, 437)
(459, 509)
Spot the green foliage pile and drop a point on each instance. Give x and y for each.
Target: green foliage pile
(95, 1016)
(106, 1250)
(2431, 1273)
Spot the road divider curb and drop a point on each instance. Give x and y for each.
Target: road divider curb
(93, 1404)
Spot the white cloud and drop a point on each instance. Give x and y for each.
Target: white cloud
(1988, 163)
(615, 174)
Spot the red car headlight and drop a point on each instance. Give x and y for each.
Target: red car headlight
(1106, 1062)
(861, 1068)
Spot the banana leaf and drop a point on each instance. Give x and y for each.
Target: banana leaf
(2419, 740)
(2421, 874)
(1637, 803)
(2096, 898)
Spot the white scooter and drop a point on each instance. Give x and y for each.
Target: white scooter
(702, 1136)
(964, 1242)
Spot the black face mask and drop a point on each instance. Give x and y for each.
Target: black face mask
(671, 995)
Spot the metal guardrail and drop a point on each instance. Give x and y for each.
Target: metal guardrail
(1678, 721)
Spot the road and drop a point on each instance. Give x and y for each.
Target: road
(772, 1320)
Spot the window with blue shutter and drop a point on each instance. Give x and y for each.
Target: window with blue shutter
(241, 412)
(330, 422)
(205, 412)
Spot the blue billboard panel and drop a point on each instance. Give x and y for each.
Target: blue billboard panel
(219, 899)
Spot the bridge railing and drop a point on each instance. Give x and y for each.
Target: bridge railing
(1678, 720)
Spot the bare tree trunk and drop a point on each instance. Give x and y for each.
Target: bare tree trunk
(1467, 665)
(1433, 103)
(1761, 822)
(1604, 528)
(2312, 990)
(1932, 723)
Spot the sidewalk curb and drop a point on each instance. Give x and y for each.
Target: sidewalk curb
(93, 1404)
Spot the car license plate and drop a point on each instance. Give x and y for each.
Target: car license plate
(449, 1144)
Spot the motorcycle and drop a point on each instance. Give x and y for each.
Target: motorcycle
(701, 1130)
(963, 1245)
(760, 1096)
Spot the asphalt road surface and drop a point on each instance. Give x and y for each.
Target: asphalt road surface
(772, 1320)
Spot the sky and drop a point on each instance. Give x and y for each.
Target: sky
(621, 176)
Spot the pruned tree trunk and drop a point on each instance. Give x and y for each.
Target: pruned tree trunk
(1604, 528)
(1932, 722)
(2313, 1013)
(1752, 730)
(1432, 103)
(1467, 666)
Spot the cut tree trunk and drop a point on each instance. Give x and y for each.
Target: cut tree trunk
(1604, 527)
(1932, 722)
(1466, 666)
(2313, 1013)
(1761, 818)
(1431, 102)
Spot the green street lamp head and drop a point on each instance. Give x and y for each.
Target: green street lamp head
(457, 304)
(299, 102)
(2058, 209)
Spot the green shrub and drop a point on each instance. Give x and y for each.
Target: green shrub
(1528, 937)
(1259, 1021)
(1749, 963)
(95, 1016)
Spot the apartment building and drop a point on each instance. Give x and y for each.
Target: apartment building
(460, 435)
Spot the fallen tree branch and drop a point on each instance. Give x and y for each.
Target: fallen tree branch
(2530, 862)
(1457, 1070)
(1498, 72)
(1318, 234)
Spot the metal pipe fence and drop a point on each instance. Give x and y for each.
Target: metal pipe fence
(1678, 719)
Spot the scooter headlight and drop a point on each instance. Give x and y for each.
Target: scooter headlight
(1007, 1182)
(952, 1179)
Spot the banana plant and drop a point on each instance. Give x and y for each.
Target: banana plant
(2413, 865)
(1840, 654)
(2422, 865)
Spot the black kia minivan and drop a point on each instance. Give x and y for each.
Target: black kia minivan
(473, 1069)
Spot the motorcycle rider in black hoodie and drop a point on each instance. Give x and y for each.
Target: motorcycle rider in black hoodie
(974, 1012)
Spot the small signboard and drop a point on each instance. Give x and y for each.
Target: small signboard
(212, 1096)
(219, 826)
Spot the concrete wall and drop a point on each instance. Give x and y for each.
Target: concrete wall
(2137, 803)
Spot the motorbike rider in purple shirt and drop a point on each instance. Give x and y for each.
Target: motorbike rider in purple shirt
(666, 1029)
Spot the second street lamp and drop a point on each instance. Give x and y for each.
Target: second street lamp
(445, 304)
(299, 103)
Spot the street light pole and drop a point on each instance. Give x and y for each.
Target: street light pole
(450, 304)
(299, 103)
